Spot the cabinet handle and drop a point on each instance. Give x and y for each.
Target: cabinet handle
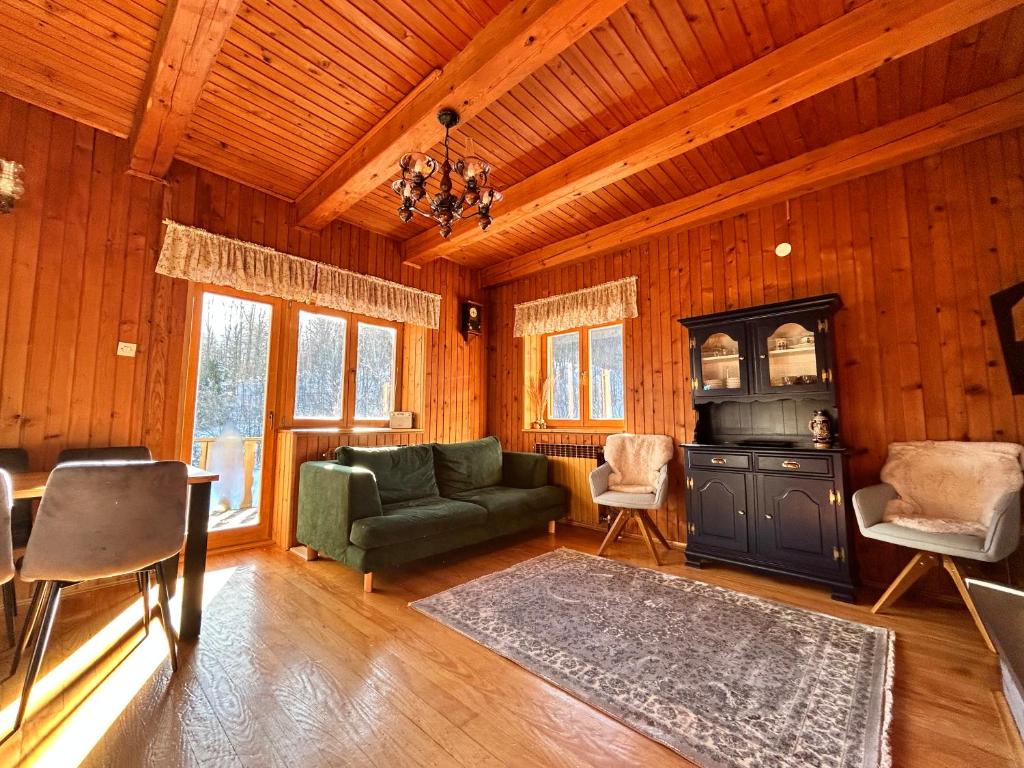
(767, 517)
(763, 356)
(717, 460)
(741, 512)
(790, 464)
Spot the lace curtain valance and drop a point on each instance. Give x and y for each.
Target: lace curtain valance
(197, 255)
(603, 303)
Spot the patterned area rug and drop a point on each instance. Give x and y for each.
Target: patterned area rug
(722, 678)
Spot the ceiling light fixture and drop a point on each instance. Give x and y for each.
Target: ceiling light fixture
(444, 207)
(11, 185)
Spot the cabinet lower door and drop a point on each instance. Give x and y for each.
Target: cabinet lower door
(718, 509)
(796, 523)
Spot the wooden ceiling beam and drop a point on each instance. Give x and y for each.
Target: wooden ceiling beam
(519, 40)
(852, 45)
(977, 115)
(191, 35)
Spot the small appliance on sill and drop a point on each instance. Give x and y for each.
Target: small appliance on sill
(400, 420)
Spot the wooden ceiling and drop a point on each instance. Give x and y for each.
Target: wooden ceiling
(297, 83)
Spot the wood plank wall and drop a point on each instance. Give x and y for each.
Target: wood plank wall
(915, 253)
(76, 275)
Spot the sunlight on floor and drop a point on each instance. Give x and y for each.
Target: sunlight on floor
(81, 729)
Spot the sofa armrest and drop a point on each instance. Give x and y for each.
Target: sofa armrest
(869, 504)
(1004, 528)
(599, 479)
(332, 497)
(524, 470)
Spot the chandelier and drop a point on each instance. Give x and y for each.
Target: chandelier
(11, 186)
(444, 207)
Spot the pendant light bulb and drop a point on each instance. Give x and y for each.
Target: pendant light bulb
(784, 248)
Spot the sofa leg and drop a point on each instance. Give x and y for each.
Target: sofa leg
(368, 582)
(551, 526)
(306, 553)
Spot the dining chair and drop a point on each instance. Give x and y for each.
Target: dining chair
(15, 460)
(98, 520)
(111, 453)
(633, 480)
(106, 453)
(7, 570)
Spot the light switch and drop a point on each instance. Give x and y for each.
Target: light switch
(125, 349)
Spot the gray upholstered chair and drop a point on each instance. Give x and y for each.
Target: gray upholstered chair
(633, 480)
(98, 520)
(7, 553)
(111, 453)
(15, 460)
(945, 500)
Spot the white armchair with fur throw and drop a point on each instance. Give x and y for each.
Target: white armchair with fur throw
(945, 500)
(633, 479)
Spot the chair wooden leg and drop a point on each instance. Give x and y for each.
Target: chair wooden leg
(305, 553)
(10, 607)
(31, 621)
(918, 566)
(165, 617)
(551, 526)
(614, 531)
(653, 527)
(958, 578)
(143, 577)
(646, 534)
(368, 582)
(49, 613)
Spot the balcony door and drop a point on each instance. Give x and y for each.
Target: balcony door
(229, 410)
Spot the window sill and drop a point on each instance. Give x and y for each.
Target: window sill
(574, 430)
(349, 430)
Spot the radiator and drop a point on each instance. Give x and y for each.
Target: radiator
(570, 467)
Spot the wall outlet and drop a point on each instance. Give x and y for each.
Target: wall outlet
(125, 349)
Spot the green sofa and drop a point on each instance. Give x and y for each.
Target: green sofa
(377, 507)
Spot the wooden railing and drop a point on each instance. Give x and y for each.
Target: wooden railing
(249, 448)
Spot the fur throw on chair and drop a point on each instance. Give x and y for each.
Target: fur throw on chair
(950, 486)
(636, 460)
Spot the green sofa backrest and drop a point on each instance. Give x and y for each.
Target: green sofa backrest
(403, 472)
(467, 466)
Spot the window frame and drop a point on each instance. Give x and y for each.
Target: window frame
(348, 404)
(585, 420)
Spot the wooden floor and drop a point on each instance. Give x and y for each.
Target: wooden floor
(296, 666)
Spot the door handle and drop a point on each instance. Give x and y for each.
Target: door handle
(767, 517)
(790, 464)
(740, 512)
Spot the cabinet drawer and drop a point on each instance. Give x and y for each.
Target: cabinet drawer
(811, 465)
(711, 460)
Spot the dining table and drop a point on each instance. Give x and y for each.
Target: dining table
(32, 485)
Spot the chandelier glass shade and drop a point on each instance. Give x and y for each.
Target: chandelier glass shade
(444, 206)
(11, 185)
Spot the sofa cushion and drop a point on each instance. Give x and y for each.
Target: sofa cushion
(501, 501)
(403, 473)
(466, 466)
(415, 519)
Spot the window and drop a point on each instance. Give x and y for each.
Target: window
(375, 372)
(320, 366)
(346, 369)
(586, 377)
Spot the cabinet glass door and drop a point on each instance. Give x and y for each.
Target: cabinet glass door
(789, 355)
(720, 362)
